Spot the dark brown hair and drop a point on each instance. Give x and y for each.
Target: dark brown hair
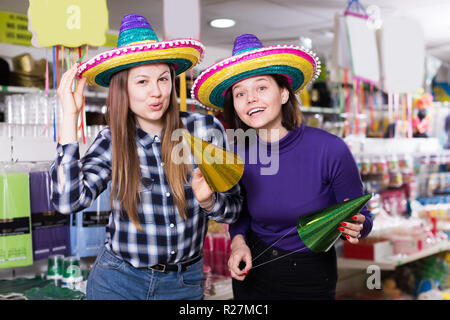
(292, 117)
(126, 172)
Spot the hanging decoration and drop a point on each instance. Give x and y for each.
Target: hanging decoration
(402, 51)
(356, 64)
(75, 24)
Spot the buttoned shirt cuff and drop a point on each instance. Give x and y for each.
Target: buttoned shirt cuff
(217, 205)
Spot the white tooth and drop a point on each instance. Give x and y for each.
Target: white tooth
(254, 110)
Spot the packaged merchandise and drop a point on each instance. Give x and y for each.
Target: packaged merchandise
(373, 249)
(55, 268)
(217, 248)
(50, 228)
(72, 275)
(15, 223)
(88, 227)
(394, 201)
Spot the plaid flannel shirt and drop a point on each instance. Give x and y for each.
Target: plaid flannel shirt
(167, 238)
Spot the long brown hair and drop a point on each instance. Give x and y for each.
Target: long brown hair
(126, 172)
(292, 117)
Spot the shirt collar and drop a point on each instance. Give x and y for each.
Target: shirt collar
(147, 139)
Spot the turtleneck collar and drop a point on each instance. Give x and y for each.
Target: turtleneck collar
(287, 142)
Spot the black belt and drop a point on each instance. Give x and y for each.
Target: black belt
(162, 267)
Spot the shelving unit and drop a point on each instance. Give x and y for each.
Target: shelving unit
(391, 263)
(88, 94)
(23, 90)
(103, 95)
(320, 110)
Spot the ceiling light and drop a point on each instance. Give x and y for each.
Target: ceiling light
(222, 23)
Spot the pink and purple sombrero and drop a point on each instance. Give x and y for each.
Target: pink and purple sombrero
(250, 58)
(138, 44)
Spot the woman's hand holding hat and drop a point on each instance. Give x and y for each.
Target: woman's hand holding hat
(71, 104)
(240, 253)
(202, 191)
(71, 101)
(352, 231)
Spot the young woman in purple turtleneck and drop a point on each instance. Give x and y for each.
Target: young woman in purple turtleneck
(315, 170)
(290, 170)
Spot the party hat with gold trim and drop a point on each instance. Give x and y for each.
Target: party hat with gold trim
(222, 169)
(319, 230)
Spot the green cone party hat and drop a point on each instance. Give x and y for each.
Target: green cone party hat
(222, 169)
(319, 230)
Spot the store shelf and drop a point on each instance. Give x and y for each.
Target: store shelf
(103, 95)
(13, 89)
(23, 90)
(390, 263)
(320, 110)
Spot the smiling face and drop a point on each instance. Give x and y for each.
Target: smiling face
(149, 91)
(258, 100)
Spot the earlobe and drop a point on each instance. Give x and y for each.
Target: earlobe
(284, 96)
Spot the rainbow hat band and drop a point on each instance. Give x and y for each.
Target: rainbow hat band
(137, 45)
(249, 59)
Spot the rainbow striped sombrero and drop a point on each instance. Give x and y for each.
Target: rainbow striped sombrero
(249, 59)
(138, 44)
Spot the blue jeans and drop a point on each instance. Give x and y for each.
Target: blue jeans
(111, 278)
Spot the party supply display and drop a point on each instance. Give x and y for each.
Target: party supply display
(319, 230)
(87, 228)
(50, 229)
(55, 268)
(250, 58)
(373, 249)
(222, 169)
(72, 276)
(138, 44)
(15, 227)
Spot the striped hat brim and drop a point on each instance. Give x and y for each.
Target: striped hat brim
(298, 65)
(182, 53)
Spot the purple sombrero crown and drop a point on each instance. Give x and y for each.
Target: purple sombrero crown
(250, 58)
(138, 44)
(246, 42)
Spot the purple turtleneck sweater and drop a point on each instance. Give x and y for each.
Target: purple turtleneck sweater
(316, 170)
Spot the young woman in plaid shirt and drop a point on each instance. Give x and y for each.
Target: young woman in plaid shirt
(160, 208)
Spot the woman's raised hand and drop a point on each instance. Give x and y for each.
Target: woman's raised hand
(71, 104)
(71, 101)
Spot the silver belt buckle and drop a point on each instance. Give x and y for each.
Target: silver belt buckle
(159, 264)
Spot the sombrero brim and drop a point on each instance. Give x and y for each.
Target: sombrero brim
(182, 53)
(299, 66)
